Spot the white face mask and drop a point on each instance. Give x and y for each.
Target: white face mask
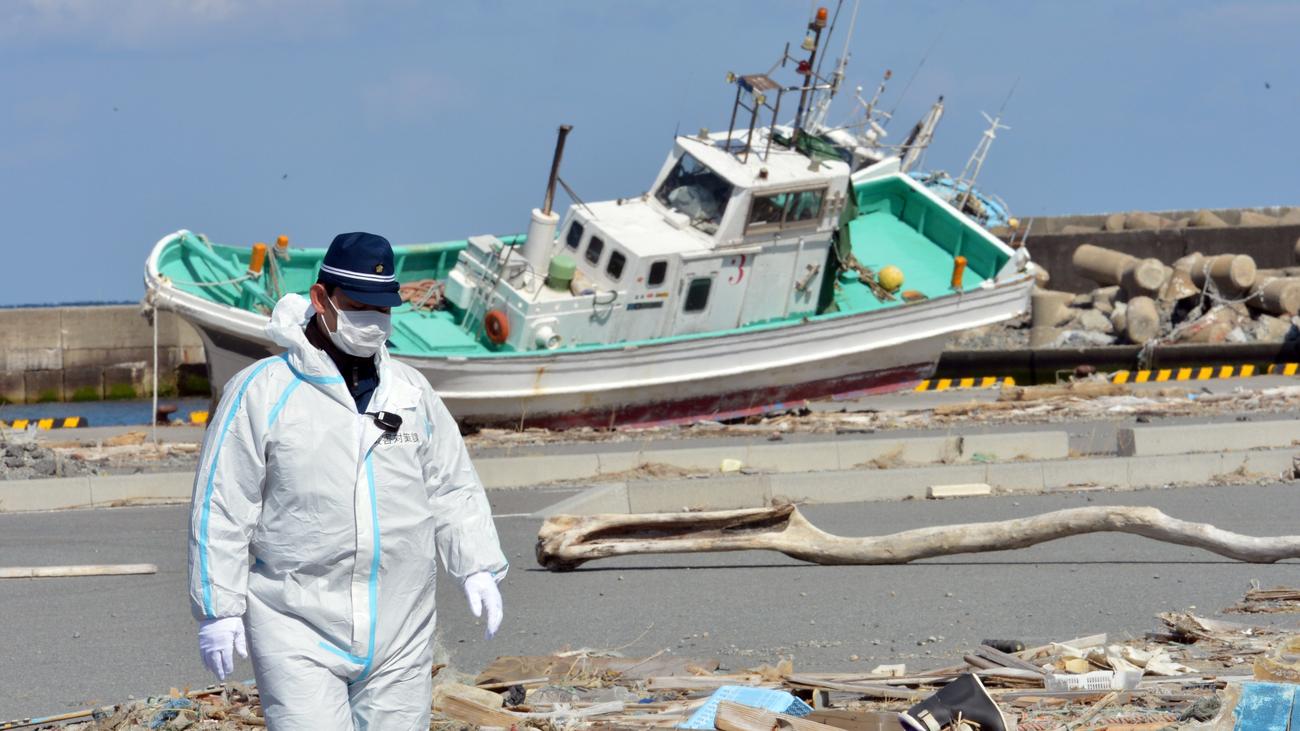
(360, 332)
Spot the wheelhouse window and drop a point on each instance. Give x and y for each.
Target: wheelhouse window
(695, 190)
(697, 295)
(595, 247)
(779, 211)
(658, 273)
(574, 236)
(614, 268)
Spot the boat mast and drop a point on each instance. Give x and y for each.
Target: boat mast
(976, 161)
(821, 108)
(921, 136)
(805, 68)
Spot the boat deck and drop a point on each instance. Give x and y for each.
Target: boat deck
(416, 332)
(880, 240)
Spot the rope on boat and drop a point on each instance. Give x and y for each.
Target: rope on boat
(221, 283)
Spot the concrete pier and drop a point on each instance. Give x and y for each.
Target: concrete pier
(93, 352)
(1053, 241)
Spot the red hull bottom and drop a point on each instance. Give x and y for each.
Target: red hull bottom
(721, 407)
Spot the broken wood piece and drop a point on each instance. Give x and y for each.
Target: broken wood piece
(466, 692)
(53, 572)
(870, 690)
(1007, 660)
(472, 712)
(525, 669)
(568, 541)
(1079, 389)
(853, 720)
(979, 663)
(739, 717)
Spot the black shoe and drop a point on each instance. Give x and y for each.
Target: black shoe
(962, 705)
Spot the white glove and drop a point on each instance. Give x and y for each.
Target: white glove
(481, 590)
(219, 640)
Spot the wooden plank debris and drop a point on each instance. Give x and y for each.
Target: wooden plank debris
(54, 572)
(737, 717)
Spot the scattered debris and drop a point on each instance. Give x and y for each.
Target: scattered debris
(1191, 672)
(1280, 599)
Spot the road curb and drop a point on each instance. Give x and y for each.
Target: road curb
(867, 485)
(1190, 438)
(817, 471)
(788, 457)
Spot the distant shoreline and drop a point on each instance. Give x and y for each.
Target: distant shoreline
(82, 303)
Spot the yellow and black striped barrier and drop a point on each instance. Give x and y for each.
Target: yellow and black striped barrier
(1283, 369)
(947, 384)
(1202, 373)
(67, 422)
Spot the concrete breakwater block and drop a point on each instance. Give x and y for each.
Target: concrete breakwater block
(1192, 438)
(972, 489)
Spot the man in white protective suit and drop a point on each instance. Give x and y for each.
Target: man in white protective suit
(329, 479)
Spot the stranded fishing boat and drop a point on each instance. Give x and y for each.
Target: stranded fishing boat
(758, 271)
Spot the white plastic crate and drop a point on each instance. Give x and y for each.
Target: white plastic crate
(1099, 680)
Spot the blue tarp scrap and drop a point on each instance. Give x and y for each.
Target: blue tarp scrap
(777, 701)
(1265, 707)
(169, 711)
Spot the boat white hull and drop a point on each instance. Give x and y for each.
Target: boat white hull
(708, 377)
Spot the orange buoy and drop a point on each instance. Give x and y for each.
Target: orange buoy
(282, 242)
(958, 269)
(497, 326)
(258, 259)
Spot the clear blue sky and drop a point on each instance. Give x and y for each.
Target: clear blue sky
(123, 120)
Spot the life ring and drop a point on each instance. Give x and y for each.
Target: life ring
(496, 326)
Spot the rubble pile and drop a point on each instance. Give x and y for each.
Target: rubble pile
(1082, 400)
(1196, 299)
(1192, 672)
(21, 458)
(130, 453)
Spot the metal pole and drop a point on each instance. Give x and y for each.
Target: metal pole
(731, 127)
(807, 82)
(555, 168)
(155, 375)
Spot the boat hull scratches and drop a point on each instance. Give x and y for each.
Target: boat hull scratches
(683, 403)
(729, 406)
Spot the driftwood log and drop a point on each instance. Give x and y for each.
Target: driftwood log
(568, 541)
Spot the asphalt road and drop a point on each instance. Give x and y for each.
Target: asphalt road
(73, 643)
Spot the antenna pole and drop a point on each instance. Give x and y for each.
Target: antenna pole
(565, 129)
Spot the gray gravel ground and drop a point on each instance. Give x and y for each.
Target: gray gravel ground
(70, 643)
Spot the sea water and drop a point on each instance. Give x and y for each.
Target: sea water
(105, 413)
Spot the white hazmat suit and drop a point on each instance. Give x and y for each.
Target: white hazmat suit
(321, 530)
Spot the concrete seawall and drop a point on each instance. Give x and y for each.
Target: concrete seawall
(1052, 241)
(94, 352)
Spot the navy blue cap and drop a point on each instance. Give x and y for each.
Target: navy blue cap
(361, 265)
